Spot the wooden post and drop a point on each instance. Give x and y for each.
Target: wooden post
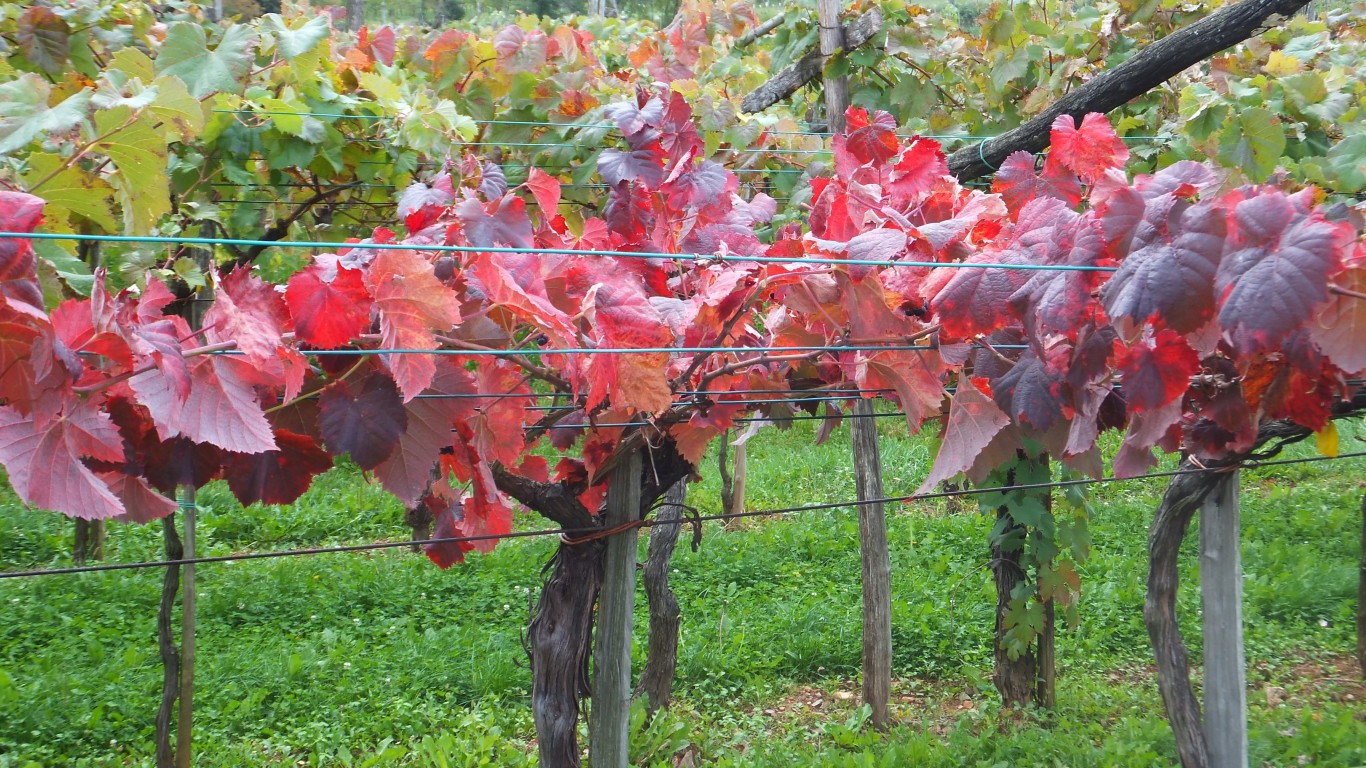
(877, 565)
(1221, 593)
(832, 41)
(609, 718)
(185, 719)
(741, 470)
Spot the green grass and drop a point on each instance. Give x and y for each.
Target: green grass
(380, 659)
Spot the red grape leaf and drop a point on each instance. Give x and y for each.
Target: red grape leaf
(708, 184)
(408, 471)
(522, 294)
(278, 476)
(500, 223)
(919, 168)
(1170, 274)
(221, 408)
(973, 421)
(1135, 455)
(546, 189)
(20, 212)
(1340, 328)
(330, 306)
(165, 464)
(251, 312)
(1090, 150)
(444, 554)
(1017, 183)
(412, 303)
(1276, 275)
(382, 46)
(141, 503)
(366, 423)
(420, 205)
(519, 50)
(629, 214)
(497, 428)
(1030, 392)
(865, 141)
(16, 364)
(915, 376)
(632, 118)
(484, 517)
(642, 165)
(969, 301)
(1058, 301)
(624, 319)
(1156, 370)
(44, 460)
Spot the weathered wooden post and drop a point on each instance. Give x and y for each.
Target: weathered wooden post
(877, 565)
(832, 41)
(1221, 596)
(609, 718)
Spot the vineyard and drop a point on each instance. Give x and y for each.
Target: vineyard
(993, 301)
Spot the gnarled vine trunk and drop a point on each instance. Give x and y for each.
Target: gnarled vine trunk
(560, 635)
(1361, 597)
(419, 519)
(560, 640)
(88, 542)
(1184, 496)
(1014, 677)
(656, 679)
(170, 654)
(1030, 676)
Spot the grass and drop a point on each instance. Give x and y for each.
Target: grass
(380, 659)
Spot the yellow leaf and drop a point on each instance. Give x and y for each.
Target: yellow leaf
(1327, 440)
(1280, 65)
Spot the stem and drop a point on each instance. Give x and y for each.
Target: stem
(743, 364)
(122, 377)
(1346, 292)
(929, 78)
(77, 156)
(359, 362)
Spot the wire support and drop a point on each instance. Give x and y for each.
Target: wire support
(650, 523)
(321, 244)
(609, 126)
(630, 350)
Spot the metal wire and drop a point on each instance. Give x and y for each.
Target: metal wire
(560, 251)
(646, 523)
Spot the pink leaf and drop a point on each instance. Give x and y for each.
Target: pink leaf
(973, 421)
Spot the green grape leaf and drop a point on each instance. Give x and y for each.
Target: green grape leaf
(67, 266)
(118, 90)
(25, 114)
(139, 152)
(1347, 162)
(1203, 111)
(291, 43)
(1253, 141)
(133, 63)
(186, 54)
(70, 191)
(288, 118)
(182, 115)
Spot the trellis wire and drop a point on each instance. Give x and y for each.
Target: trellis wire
(609, 126)
(651, 523)
(558, 251)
